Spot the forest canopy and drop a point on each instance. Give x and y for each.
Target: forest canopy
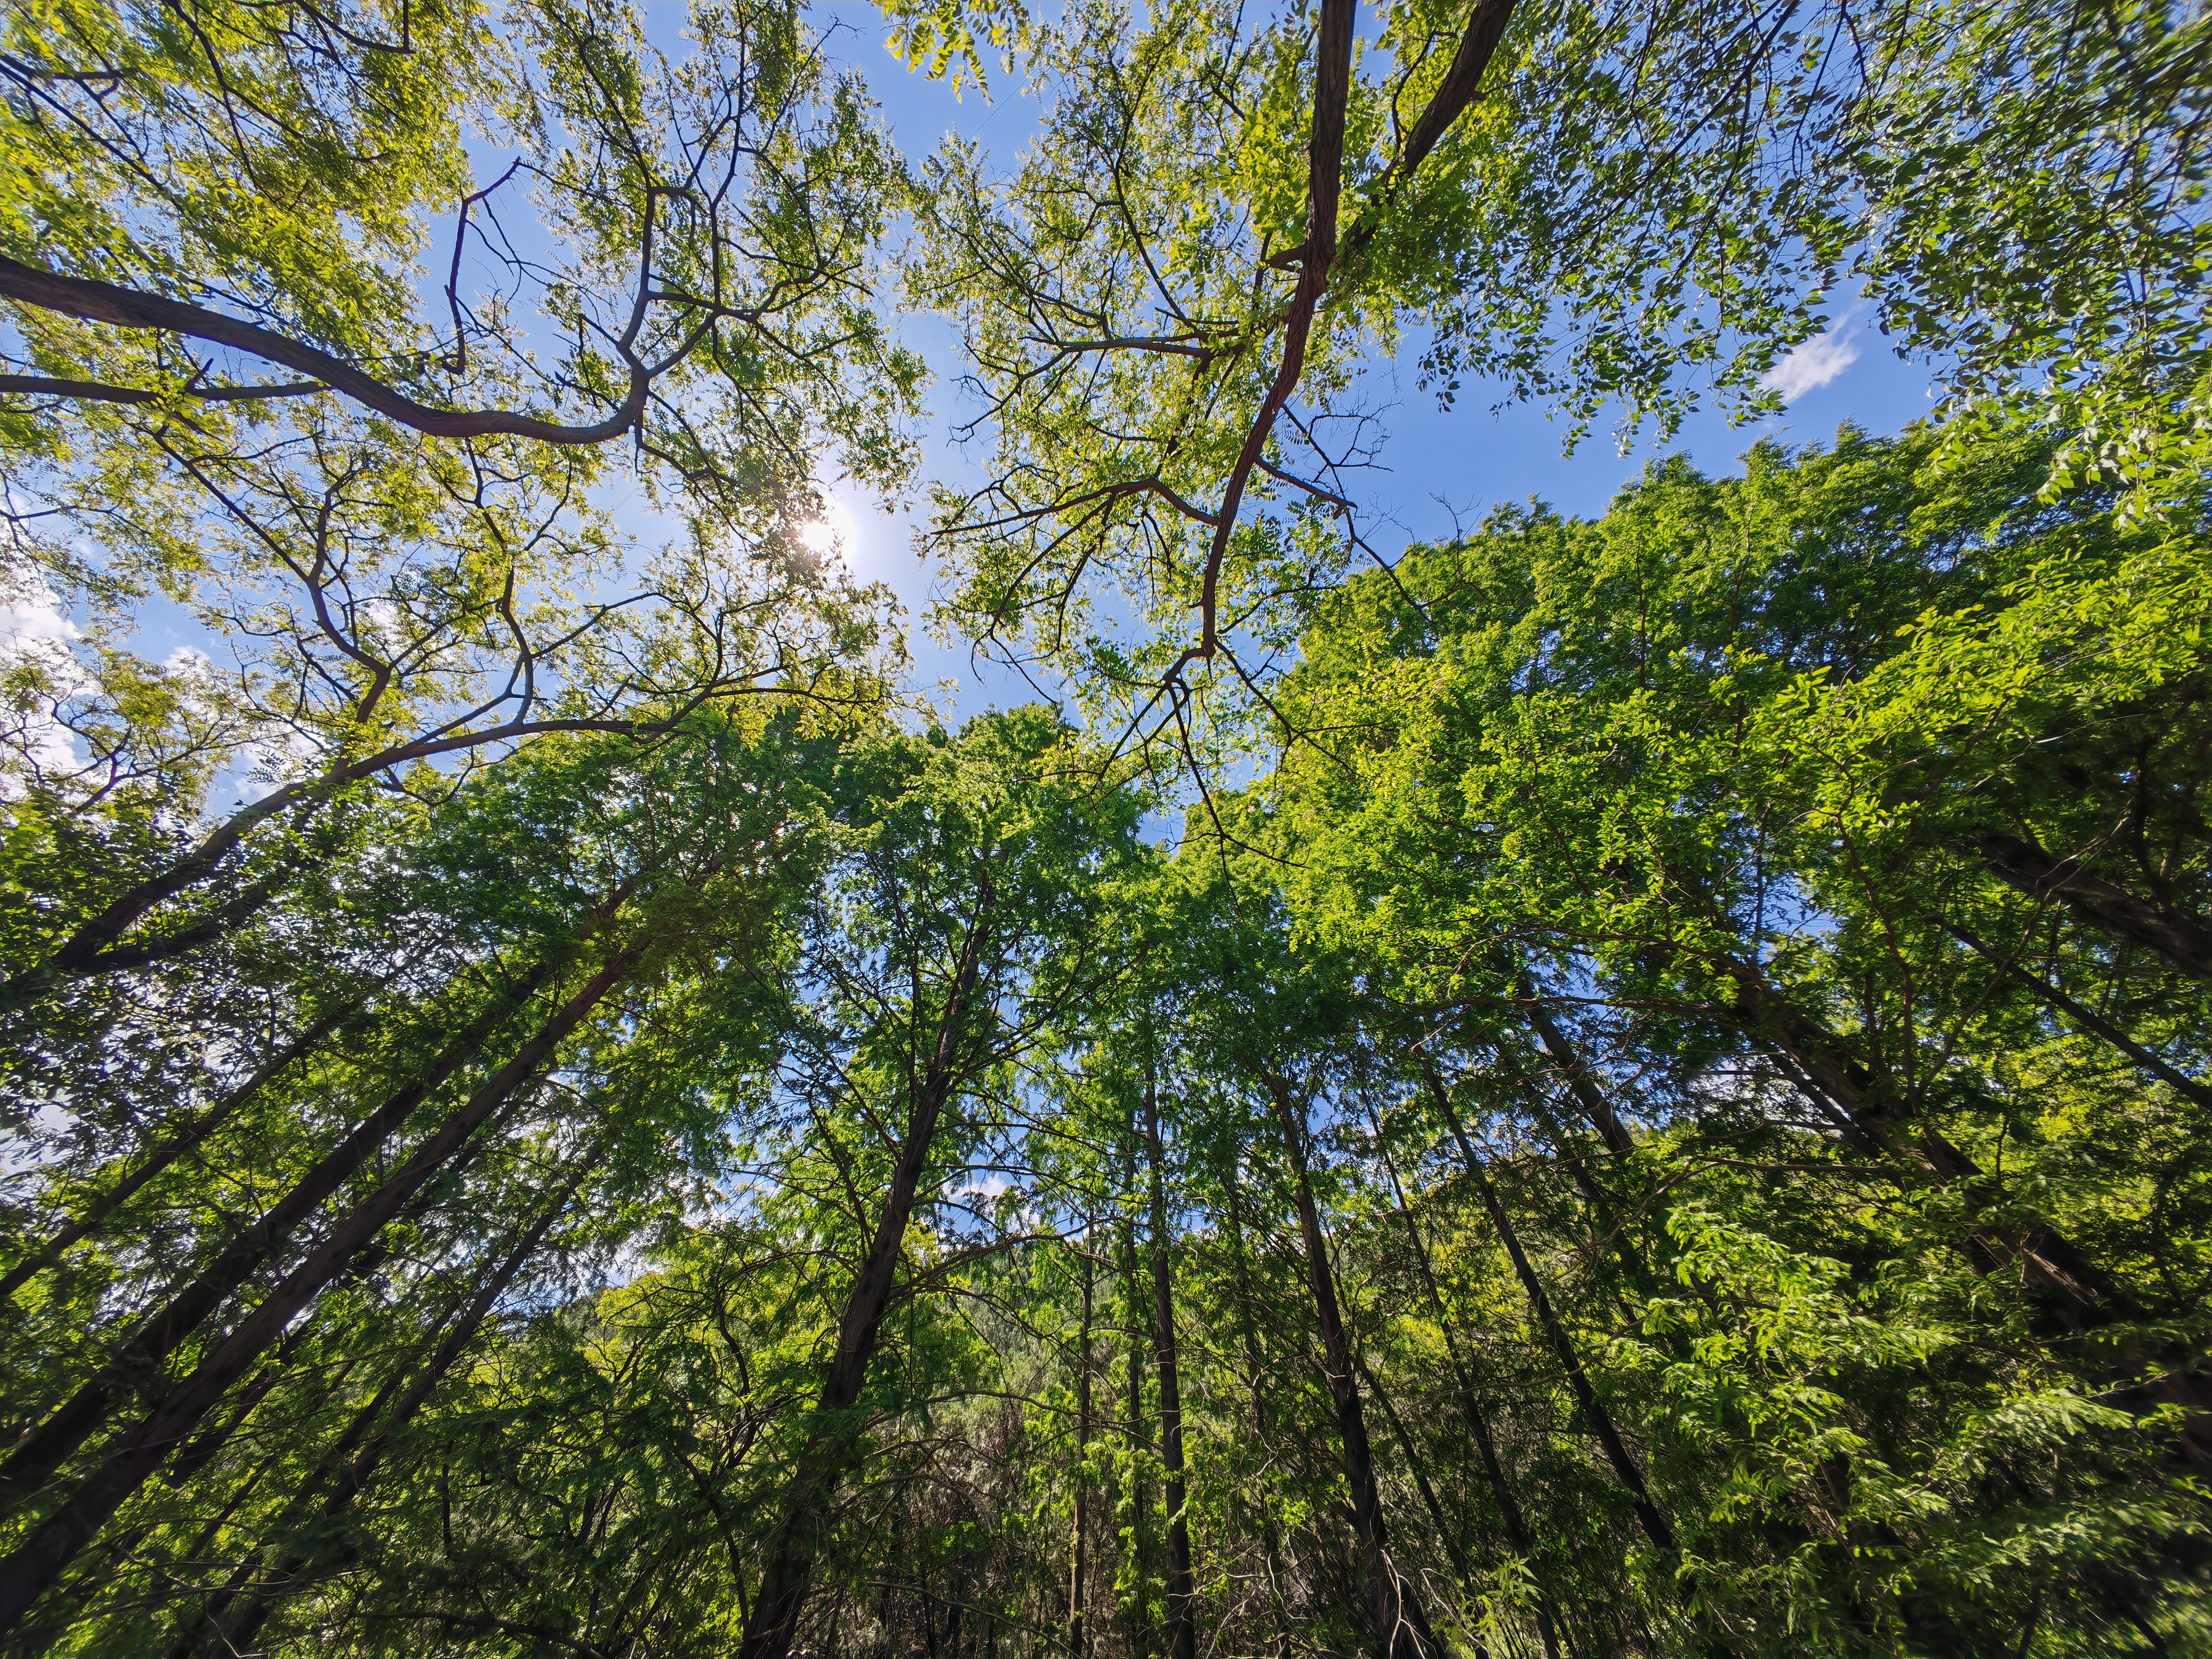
(1633, 1084)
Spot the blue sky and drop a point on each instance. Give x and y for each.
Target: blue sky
(1437, 462)
(1436, 465)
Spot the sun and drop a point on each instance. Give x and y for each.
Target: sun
(834, 533)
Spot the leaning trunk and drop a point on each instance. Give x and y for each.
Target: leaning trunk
(782, 1593)
(1555, 1334)
(234, 1631)
(1470, 1406)
(1400, 1624)
(40, 1557)
(140, 1359)
(43, 1256)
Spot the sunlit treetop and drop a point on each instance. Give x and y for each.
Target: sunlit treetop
(1228, 217)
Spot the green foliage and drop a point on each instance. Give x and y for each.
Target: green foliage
(1666, 1115)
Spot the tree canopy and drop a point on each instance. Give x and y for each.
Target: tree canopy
(1626, 1084)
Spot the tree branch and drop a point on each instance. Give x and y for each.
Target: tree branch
(109, 302)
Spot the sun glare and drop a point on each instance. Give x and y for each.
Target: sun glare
(833, 533)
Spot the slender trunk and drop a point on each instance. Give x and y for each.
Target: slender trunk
(2079, 1290)
(1604, 1231)
(790, 1564)
(1412, 1454)
(2179, 1081)
(40, 1557)
(2073, 1290)
(43, 1256)
(1135, 1316)
(137, 1365)
(1078, 1646)
(1183, 1628)
(1580, 1083)
(355, 1470)
(1446, 1534)
(1271, 1538)
(1400, 1624)
(1563, 1348)
(191, 1632)
(1477, 1424)
(97, 946)
(201, 1449)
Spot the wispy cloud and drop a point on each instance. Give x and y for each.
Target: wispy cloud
(1816, 363)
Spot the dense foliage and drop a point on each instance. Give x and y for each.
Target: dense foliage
(1657, 1102)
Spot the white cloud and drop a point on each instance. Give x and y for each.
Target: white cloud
(1818, 362)
(31, 630)
(31, 619)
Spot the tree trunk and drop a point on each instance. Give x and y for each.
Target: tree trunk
(1595, 1107)
(355, 1469)
(790, 1566)
(2079, 1290)
(1400, 1626)
(1477, 1424)
(137, 1365)
(1079, 1567)
(96, 946)
(1183, 1628)
(1654, 1524)
(41, 1257)
(2076, 1293)
(1271, 1540)
(1136, 1315)
(2181, 941)
(40, 1557)
(2051, 995)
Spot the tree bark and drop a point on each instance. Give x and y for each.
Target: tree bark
(1400, 1626)
(1136, 1315)
(94, 300)
(2072, 1289)
(1477, 1424)
(36, 1563)
(1079, 1600)
(1654, 1524)
(1182, 1626)
(2177, 1080)
(1595, 1107)
(790, 1564)
(2181, 941)
(355, 1470)
(45, 1255)
(2082, 1292)
(136, 1364)
(1271, 1540)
